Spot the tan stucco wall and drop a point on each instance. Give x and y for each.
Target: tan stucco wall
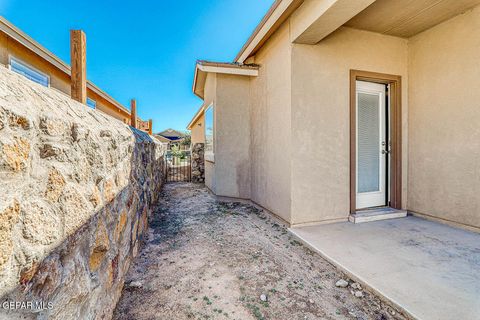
(232, 136)
(58, 79)
(229, 174)
(271, 125)
(444, 120)
(106, 107)
(320, 116)
(299, 121)
(198, 130)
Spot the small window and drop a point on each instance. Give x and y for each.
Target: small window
(91, 103)
(209, 134)
(29, 72)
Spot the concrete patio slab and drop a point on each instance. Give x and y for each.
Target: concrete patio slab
(430, 270)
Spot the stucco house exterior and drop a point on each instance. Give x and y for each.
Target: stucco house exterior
(197, 127)
(335, 106)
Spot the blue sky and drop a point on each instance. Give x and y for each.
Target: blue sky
(143, 49)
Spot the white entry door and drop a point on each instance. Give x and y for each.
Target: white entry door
(371, 145)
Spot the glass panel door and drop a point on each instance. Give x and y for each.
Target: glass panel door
(371, 139)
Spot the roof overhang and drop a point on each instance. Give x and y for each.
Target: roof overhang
(276, 15)
(315, 20)
(197, 115)
(26, 41)
(410, 17)
(202, 68)
(311, 21)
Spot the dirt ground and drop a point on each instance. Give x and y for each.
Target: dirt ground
(205, 259)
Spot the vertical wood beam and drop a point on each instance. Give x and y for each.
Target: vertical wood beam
(150, 126)
(133, 113)
(78, 61)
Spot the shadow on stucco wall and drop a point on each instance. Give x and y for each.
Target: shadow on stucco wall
(77, 190)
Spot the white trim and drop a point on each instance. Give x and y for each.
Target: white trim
(210, 157)
(377, 197)
(227, 70)
(29, 66)
(277, 13)
(94, 103)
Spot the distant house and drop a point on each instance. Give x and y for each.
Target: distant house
(23, 55)
(172, 135)
(336, 106)
(172, 138)
(197, 126)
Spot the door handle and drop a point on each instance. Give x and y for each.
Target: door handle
(384, 144)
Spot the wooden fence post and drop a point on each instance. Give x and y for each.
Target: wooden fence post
(133, 113)
(78, 61)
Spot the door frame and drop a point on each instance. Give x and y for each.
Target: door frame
(395, 93)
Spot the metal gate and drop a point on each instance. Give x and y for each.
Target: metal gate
(178, 167)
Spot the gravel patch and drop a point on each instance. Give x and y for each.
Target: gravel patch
(205, 259)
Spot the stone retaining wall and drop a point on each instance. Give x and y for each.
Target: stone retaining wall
(198, 163)
(76, 190)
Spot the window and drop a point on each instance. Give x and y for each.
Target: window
(91, 103)
(29, 72)
(209, 132)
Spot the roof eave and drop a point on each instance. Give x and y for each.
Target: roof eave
(195, 117)
(273, 19)
(202, 68)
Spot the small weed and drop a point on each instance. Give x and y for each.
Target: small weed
(296, 243)
(207, 300)
(256, 311)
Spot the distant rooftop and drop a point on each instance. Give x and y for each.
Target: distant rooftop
(171, 134)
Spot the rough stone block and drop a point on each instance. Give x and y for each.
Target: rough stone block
(55, 185)
(122, 222)
(102, 244)
(48, 150)
(40, 224)
(74, 207)
(8, 218)
(109, 190)
(53, 127)
(18, 121)
(15, 154)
